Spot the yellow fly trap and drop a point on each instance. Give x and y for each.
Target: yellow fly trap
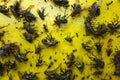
(59, 40)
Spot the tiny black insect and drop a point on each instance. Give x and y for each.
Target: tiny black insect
(76, 9)
(45, 28)
(71, 59)
(41, 13)
(117, 72)
(61, 2)
(94, 10)
(20, 57)
(15, 9)
(116, 58)
(30, 76)
(98, 63)
(28, 28)
(28, 15)
(40, 61)
(86, 47)
(98, 47)
(28, 37)
(49, 41)
(52, 75)
(66, 75)
(4, 10)
(37, 49)
(109, 51)
(1, 69)
(10, 64)
(98, 72)
(60, 20)
(88, 26)
(101, 29)
(113, 26)
(69, 39)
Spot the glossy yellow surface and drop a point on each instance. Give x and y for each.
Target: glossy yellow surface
(74, 25)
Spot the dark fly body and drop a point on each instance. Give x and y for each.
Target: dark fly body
(86, 46)
(40, 61)
(98, 47)
(98, 72)
(113, 26)
(41, 14)
(28, 37)
(1, 69)
(117, 72)
(98, 63)
(69, 39)
(52, 75)
(10, 65)
(38, 49)
(71, 60)
(101, 29)
(45, 28)
(27, 15)
(61, 2)
(66, 75)
(94, 10)
(4, 10)
(30, 76)
(19, 56)
(109, 51)
(76, 9)
(49, 41)
(15, 9)
(27, 27)
(60, 20)
(88, 26)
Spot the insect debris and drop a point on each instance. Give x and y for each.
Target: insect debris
(41, 13)
(76, 9)
(49, 41)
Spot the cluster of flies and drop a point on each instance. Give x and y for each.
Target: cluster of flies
(13, 49)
